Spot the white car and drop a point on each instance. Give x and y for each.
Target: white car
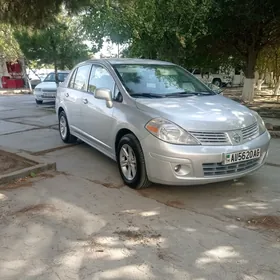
(46, 90)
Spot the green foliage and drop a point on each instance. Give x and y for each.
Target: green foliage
(9, 47)
(36, 13)
(245, 27)
(60, 44)
(165, 30)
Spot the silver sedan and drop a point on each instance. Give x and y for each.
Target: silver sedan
(160, 123)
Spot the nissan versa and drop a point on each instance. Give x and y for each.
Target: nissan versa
(160, 123)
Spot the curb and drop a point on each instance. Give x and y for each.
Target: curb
(274, 134)
(272, 164)
(39, 166)
(16, 92)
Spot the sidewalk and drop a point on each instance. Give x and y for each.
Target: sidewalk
(274, 157)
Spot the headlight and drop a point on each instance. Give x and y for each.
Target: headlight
(262, 127)
(170, 132)
(38, 90)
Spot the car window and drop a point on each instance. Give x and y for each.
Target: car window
(100, 78)
(158, 79)
(51, 77)
(72, 80)
(81, 79)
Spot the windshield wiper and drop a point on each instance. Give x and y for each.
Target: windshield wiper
(204, 93)
(148, 95)
(185, 93)
(180, 94)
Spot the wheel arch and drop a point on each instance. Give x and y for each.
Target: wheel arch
(122, 132)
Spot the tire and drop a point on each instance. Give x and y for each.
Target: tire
(217, 82)
(64, 130)
(39, 101)
(140, 179)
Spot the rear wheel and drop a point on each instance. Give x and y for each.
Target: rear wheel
(217, 82)
(131, 162)
(39, 101)
(64, 130)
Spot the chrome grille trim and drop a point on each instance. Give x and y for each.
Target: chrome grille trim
(226, 138)
(250, 132)
(218, 169)
(211, 138)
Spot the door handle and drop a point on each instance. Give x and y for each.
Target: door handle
(85, 101)
(67, 94)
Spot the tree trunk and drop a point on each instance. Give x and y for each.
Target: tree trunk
(277, 87)
(260, 81)
(55, 73)
(26, 78)
(249, 80)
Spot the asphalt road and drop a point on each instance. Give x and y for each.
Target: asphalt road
(83, 223)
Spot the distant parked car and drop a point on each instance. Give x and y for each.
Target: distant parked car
(160, 123)
(46, 90)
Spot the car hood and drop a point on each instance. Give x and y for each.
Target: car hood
(47, 85)
(200, 113)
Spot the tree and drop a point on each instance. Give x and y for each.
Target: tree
(59, 44)
(246, 28)
(9, 47)
(159, 29)
(36, 12)
(269, 62)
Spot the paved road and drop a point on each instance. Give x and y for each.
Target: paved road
(83, 223)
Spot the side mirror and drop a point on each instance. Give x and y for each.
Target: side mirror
(104, 94)
(216, 89)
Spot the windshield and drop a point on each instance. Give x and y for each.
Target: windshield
(51, 77)
(159, 80)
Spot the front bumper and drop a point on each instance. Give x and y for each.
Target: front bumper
(41, 96)
(161, 159)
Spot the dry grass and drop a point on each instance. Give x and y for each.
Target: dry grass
(175, 204)
(10, 163)
(38, 208)
(268, 222)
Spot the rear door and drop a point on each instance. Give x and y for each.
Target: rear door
(97, 117)
(73, 96)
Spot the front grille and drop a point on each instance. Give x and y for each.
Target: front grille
(250, 132)
(217, 169)
(211, 138)
(49, 90)
(223, 138)
(48, 96)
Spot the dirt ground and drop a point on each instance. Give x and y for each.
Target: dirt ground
(10, 163)
(82, 223)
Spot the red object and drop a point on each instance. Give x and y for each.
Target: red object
(16, 68)
(4, 81)
(13, 67)
(12, 83)
(19, 83)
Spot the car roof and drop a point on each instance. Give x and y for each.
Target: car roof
(115, 61)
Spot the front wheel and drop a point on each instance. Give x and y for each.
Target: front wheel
(217, 82)
(64, 130)
(131, 162)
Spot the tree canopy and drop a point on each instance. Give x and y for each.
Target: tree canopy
(197, 33)
(191, 33)
(60, 44)
(36, 12)
(9, 47)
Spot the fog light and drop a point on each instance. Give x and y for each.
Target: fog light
(182, 169)
(177, 168)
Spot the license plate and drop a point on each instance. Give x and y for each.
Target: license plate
(48, 95)
(242, 156)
